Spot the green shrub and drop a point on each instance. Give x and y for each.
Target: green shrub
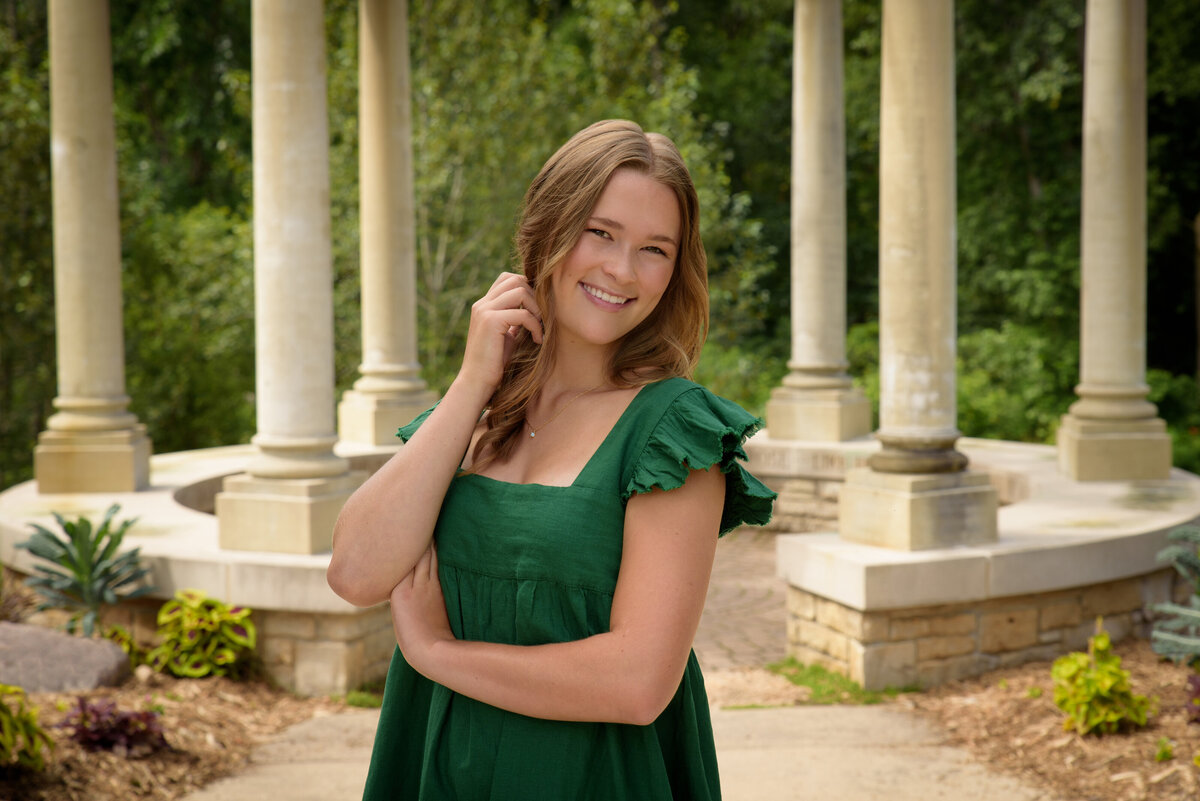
(1094, 691)
(22, 739)
(1176, 635)
(202, 637)
(87, 569)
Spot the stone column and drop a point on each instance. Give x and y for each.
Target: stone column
(390, 391)
(917, 492)
(93, 443)
(817, 400)
(1112, 432)
(294, 488)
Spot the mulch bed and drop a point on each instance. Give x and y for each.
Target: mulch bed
(1003, 727)
(211, 726)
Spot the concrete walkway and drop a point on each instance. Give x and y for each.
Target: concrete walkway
(825, 753)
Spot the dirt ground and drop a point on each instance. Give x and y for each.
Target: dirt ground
(212, 725)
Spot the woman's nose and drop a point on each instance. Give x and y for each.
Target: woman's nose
(620, 265)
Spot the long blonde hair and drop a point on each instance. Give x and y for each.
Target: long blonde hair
(556, 208)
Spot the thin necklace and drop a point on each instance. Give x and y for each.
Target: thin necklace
(534, 429)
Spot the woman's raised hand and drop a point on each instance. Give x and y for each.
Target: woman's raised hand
(496, 320)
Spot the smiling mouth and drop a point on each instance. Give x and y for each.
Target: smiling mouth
(600, 294)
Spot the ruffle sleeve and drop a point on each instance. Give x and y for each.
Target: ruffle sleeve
(406, 431)
(699, 430)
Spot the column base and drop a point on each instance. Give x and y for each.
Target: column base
(372, 419)
(818, 415)
(95, 461)
(1113, 450)
(914, 512)
(294, 515)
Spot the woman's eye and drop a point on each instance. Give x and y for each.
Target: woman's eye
(656, 250)
(599, 232)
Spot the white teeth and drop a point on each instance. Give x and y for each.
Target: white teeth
(604, 296)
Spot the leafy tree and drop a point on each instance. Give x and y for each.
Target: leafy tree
(27, 375)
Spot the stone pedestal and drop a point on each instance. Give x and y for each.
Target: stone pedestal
(917, 511)
(1114, 450)
(819, 415)
(282, 515)
(98, 461)
(373, 419)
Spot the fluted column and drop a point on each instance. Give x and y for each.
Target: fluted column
(294, 487)
(93, 443)
(817, 400)
(1112, 432)
(390, 391)
(916, 492)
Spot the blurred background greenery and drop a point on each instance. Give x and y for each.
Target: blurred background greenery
(497, 87)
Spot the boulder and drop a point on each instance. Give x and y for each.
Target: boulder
(42, 660)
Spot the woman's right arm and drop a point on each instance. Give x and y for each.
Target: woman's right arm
(387, 524)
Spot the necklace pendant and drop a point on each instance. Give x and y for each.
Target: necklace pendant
(532, 434)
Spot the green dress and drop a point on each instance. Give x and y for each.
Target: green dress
(528, 564)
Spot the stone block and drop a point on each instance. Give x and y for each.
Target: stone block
(1038, 653)
(807, 656)
(277, 651)
(947, 625)
(944, 671)
(943, 647)
(1114, 597)
(1114, 450)
(801, 604)
(818, 415)
(917, 512)
(281, 515)
(352, 626)
(369, 418)
(1008, 631)
(92, 461)
(328, 668)
(1061, 614)
(878, 666)
(1051, 636)
(819, 638)
(1156, 588)
(293, 625)
(909, 628)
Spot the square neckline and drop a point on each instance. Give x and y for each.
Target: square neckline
(592, 460)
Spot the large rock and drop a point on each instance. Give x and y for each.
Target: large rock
(43, 660)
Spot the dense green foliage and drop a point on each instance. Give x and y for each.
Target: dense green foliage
(496, 87)
(85, 568)
(1094, 690)
(201, 636)
(22, 738)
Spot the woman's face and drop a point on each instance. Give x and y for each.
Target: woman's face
(622, 263)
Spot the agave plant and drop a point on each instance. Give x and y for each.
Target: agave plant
(1177, 634)
(87, 568)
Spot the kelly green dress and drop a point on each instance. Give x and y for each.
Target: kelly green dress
(528, 564)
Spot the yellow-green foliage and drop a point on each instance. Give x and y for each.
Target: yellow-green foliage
(1094, 690)
(22, 739)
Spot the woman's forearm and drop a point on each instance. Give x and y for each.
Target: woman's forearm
(388, 522)
(604, 678)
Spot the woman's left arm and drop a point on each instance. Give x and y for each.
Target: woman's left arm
(626, 675)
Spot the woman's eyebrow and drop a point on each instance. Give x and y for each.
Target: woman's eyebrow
(605, 221)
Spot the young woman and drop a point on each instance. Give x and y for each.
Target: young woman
(546, 535)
